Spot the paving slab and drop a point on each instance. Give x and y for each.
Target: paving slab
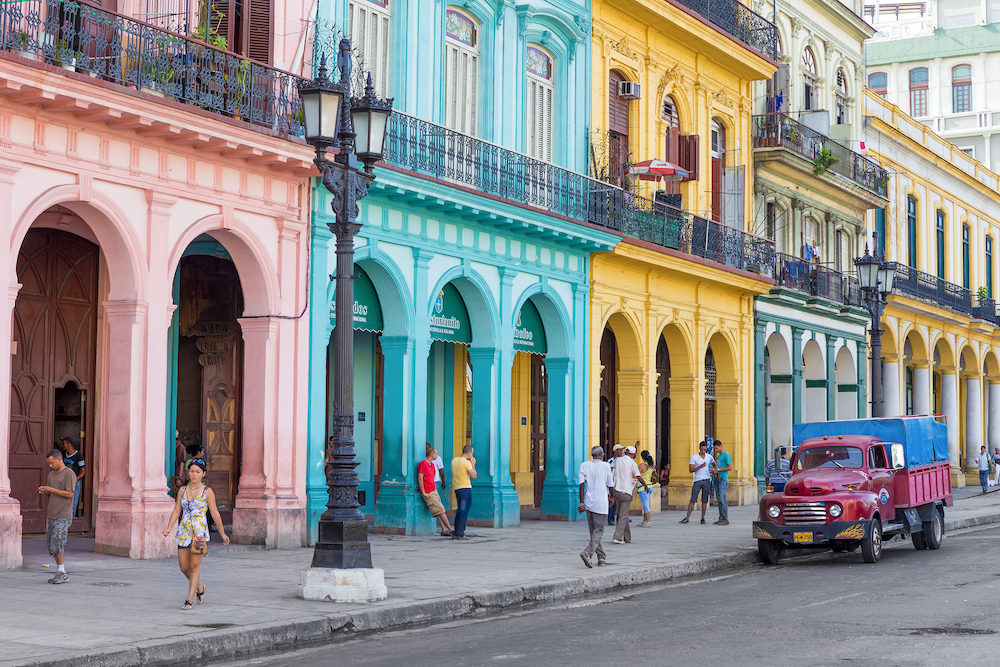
(127, 612)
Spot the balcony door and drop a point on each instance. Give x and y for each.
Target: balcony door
(618, 123)
(246, 26)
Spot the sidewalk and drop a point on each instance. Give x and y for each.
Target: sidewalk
(119, 612)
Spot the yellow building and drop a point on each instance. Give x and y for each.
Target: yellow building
(671, 314)
(941, 228)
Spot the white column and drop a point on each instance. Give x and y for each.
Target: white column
(980, 103)
(993, 416)
(973, 419)
(935, 93)
(895, 88)
(921, 390)
(949, 405)
(890, 389)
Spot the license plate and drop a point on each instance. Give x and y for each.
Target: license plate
(803, 537)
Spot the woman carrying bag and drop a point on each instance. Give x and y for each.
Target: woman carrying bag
(194, 501)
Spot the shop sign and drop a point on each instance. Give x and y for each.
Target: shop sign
(367, 309)
(449, 317)
(529, 332)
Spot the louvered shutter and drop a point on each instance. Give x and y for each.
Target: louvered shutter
(461, 88)
(673, 148)
(688, 155)
(222, 22)
(539, 119)
(617, 107)
(259, 32)
(370, 38)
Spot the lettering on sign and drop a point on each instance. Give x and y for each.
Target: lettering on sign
(523, 336)
(360, 312)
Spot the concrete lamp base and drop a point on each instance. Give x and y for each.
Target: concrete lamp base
(354, 585)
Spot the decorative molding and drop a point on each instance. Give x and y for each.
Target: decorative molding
(622, 47)
(668, 76)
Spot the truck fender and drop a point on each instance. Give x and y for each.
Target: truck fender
(910, 516)
(926, 512)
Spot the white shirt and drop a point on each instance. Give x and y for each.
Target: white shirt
(984, 461)
(598, 478)
(438, 467)
(625, 473)
(703, 473)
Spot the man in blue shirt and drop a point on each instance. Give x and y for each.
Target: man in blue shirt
(777, 470)
(720, 478)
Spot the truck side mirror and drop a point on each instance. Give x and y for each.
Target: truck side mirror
(898, 460)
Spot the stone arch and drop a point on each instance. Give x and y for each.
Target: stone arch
(396, 301)
(967, 359)
(944, 354)
(814, 382)
(991, 365)
(555, 318)
(779, 391)
(846, 377)
(727, 389)
(483, 313)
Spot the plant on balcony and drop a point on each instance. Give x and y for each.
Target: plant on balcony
(208, 30)
(883, 180)
(824, 160)
(793, 135)
(65, 57)
(20, 41)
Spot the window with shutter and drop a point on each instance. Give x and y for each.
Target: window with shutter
(539, 104)
(688, 155)
(461, 72)
(370, 38)
(241, 26)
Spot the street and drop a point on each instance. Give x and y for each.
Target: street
(912, 608)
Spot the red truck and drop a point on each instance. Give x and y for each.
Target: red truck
(857, 482)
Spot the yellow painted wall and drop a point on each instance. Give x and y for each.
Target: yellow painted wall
(520, 436)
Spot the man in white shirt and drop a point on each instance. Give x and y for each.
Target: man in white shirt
(701, 465)
(438, 469)
(626, 475)
(616, 453)
(596, 483)
(983, 461)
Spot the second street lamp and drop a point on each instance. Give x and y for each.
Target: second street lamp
(342, 562)
(876, 277)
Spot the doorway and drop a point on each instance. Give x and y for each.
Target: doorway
(52, 364)
(539, 424)
(609, 391)
(710, 374)
(662, 402)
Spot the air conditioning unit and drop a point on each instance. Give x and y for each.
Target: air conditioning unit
(628, 90)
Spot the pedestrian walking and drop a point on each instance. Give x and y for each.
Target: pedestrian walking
(426, 471)
(996, 466)
(720, 476)
(777, 471)
(463, 471)
(626, 476)
(74, 459)
(59, 512)
(194, 501)
(616, 452)
(647, 468)
(701, 465)
(596, 484)
(983, 461)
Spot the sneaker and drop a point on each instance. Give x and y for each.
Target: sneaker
(618, 541)
(586, 559)
(703, 522)
(722, 523)
(601, 563)
(684, 520)
(60, 578)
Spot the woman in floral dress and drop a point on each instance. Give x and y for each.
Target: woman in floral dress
(194, 501)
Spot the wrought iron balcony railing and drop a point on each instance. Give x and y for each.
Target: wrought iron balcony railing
(780, 130)
(116, 48)
(735, 18)
(431, 149)
(940, 292)
(817, 280)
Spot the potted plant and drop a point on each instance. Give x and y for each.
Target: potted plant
(824, 160)
(20, 41)
(65, 57)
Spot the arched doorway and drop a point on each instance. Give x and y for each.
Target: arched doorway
(710, 377)
(53, 362)
(814, 381)
(529, 406)
(847, 384)
(662, 401)
(607, 422)
(778, 394)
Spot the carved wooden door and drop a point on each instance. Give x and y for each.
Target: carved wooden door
(54, 343)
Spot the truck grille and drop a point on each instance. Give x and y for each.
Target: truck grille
(805, 512)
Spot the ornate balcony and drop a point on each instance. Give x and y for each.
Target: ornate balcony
(779, 130)
(118, 49)
(738, 20)
(426, 148)
(942, 293)
(817, 280)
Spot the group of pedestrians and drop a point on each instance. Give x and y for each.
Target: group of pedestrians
(430, 475)
(986, 465)
(711, 477)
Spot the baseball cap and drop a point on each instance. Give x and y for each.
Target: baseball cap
(630, 450)
(616, 448)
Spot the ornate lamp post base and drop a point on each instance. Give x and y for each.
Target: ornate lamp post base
(336, 585)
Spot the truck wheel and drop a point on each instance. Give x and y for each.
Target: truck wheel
(919, 543)
(934, 531)
(871, 545)
(769, 551)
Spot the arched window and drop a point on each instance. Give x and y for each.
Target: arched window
(879, 83)
(676, 147)
(961, 88)
(461, 72)
(539, 103)
(842, 113)
(966, 258)
(918, 92)
(939, 242)
(911, 231)
(370, 39)
(808, 79)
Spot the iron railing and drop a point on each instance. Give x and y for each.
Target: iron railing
(778, 129)
(817, 280)
(986, 309)
(925, 286)
(735, 18)
(431, 149)
(122, 50)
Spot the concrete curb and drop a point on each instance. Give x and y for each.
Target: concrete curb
(328, 628)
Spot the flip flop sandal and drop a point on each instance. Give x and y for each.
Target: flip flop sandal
(201, 594)
(187, 605)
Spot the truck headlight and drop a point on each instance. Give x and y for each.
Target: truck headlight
(774, 511)
(836, 510)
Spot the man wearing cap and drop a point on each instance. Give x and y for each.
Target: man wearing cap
(626, 475)
(616, 453)
(701, 465)
(596, 484)
(777, 470)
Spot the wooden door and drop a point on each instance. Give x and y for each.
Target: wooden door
(379, 414)
(609, 391)
(54, 333)
(539, 423)
(662, 402)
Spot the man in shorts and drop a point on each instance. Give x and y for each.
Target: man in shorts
(701, 465)
(59, 513)
(428, 491)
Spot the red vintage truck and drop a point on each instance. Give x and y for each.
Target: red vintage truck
(855, 483)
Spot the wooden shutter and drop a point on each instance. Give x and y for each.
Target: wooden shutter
(688, 155)
(539, 119)
(370, 38)
(462, 65)
(673, 147)
(617, 107)
(259, 31)
(222, 21)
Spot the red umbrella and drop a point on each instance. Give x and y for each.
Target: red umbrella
(654, 170)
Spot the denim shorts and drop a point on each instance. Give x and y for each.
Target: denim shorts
(703, 485)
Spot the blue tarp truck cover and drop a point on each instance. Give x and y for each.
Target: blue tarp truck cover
(924, 439)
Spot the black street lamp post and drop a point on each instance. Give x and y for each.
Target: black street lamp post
(343, 531)
(876, 277)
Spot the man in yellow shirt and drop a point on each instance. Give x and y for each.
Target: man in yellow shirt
(463, 471)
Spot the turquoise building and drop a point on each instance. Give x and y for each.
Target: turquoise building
(472, 263)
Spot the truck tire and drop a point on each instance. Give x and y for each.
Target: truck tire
(871, 544)
(769, 551)
(934, 531)
(919, 543)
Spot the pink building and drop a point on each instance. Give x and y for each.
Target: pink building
(156, 216)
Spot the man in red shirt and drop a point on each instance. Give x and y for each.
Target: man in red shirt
(428, 490)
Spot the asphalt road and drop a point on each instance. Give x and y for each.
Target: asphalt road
(912, 608)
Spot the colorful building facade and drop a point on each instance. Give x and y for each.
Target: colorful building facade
(671, 316)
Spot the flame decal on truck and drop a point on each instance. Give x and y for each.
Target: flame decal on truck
(855, 532)
(761, 534)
